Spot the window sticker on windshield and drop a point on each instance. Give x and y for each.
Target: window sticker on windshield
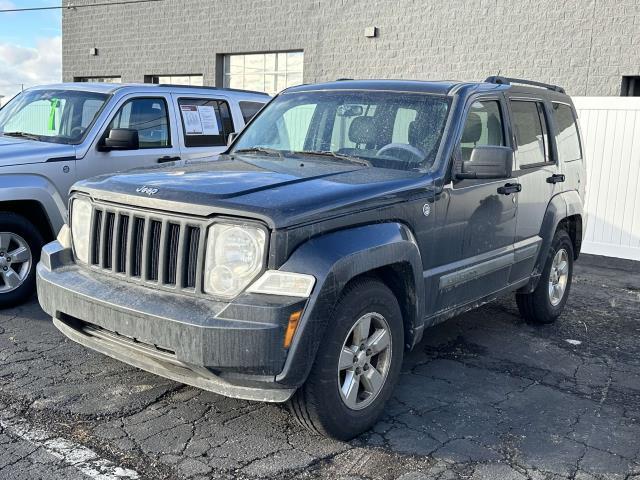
(208, 119)
(191, 118)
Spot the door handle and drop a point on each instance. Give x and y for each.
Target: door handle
(556, 178)
(510, 188)
(168, 158)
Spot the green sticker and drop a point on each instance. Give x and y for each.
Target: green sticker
(52, 113)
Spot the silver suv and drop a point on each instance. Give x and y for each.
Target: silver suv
(52, 136)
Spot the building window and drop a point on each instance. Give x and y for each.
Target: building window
(99, 79)
(191, 80)
(265, 72)
(630, 86)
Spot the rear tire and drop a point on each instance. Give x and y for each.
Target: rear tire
(20, 246)
(344, 397)
(545, 304)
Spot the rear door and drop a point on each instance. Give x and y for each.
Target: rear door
(535, 167)
(152, 117)
(205, 124)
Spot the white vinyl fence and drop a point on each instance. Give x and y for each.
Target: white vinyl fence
(611, 141)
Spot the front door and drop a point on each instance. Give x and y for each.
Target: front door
(473, 243)
(151, 117)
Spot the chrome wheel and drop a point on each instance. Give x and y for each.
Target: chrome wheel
(558, 277)
(365, 360)
(15, 261)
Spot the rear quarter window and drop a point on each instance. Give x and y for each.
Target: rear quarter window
(249, 109)
(567, 137)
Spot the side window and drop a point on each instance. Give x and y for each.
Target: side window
(205, 122)
(249, 109)
(149, 117)
(530, 128)
(482, 127)
(567, 138)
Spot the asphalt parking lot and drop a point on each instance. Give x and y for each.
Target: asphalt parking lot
(483, 396)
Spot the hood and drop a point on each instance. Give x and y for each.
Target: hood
(21, 151)
(281, 192)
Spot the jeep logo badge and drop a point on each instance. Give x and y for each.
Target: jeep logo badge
(148, 190)
(426, 209)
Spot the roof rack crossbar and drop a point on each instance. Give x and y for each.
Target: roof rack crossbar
(508, 81)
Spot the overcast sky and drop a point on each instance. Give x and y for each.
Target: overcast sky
(30, 45)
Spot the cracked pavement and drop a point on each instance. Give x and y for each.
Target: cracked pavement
(484, 395)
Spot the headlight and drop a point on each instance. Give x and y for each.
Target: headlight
(235, 256)
(80, 225)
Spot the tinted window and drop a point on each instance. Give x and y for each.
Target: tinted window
(149, 117)
(567, 138)
(530, 130)
(482, 127)
(205, 122)
(249, 109)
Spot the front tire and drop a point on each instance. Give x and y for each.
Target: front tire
(357, 364)
(545, 304)
(20, 246)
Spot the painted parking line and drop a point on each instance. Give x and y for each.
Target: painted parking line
(81, 458)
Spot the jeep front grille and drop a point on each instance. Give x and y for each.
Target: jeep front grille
(147, 247)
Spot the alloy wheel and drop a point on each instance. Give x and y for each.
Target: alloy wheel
(365, 360)
(15, 261)
(558, 276)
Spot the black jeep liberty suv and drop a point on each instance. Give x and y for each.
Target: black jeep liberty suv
(346, 218)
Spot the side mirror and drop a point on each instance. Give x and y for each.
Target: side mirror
(488, 161)
(231, 137)
(121, 139)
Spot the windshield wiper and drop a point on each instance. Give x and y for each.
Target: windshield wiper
(339, 156)
(30, 136)
(268, 151)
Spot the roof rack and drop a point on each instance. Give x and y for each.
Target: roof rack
(206, 87)
(508, 81)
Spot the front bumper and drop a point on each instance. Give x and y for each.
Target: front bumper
(232, 348)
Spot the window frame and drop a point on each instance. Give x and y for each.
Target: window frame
(127, 100)
(505, 117)
(149, 79)
(225, 136)
(575, 124)
(543, 116)
(226, 73)
(99, 79)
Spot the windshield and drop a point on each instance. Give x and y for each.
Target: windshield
(381, 129)
(59, 116)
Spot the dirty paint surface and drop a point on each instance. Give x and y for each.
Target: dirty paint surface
(483, 395)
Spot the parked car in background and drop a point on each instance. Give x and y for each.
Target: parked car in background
(343, 221)
(52, 136)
